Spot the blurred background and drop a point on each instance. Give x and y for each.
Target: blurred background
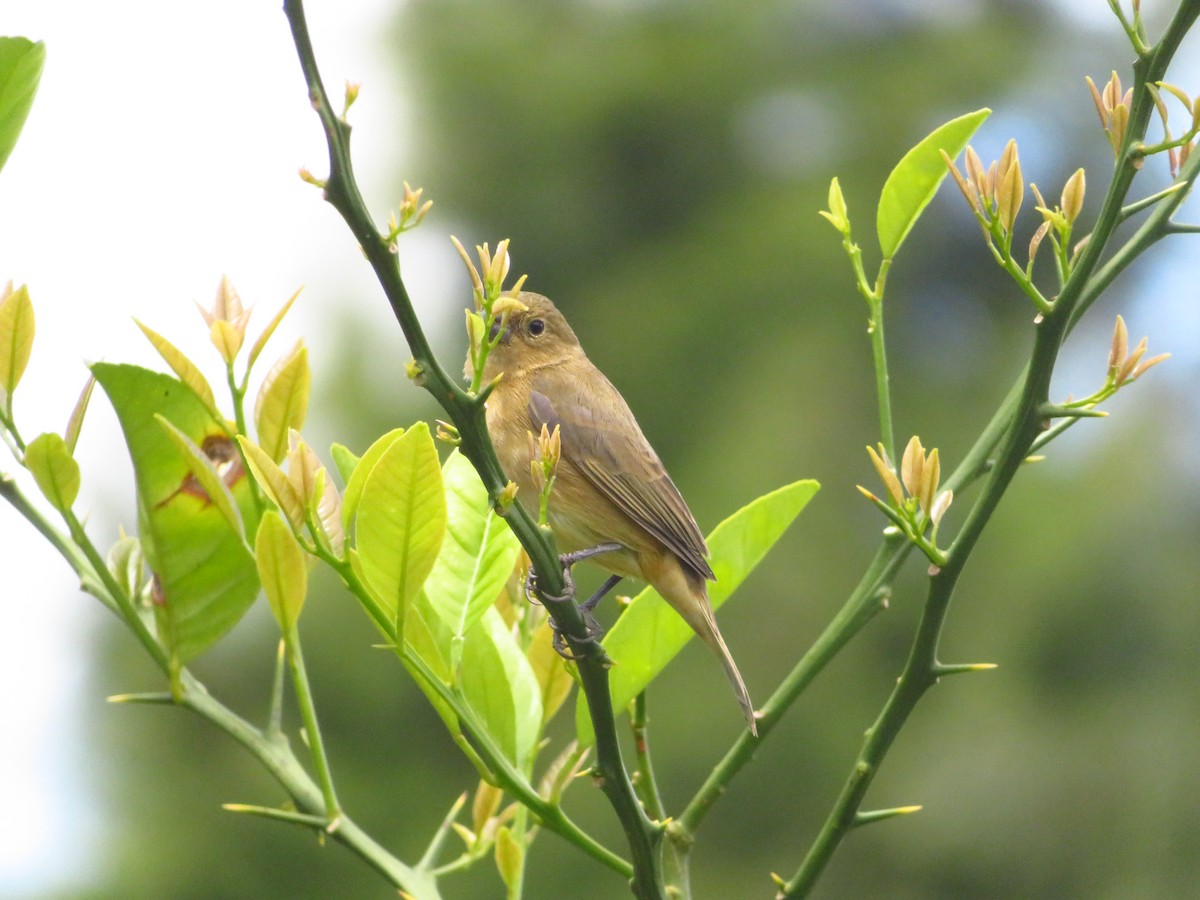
(658, 166)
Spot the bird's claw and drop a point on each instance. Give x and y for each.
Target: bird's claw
(563, 649)
(594, 630)
(534, 595)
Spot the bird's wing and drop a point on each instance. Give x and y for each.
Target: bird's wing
(621, 465)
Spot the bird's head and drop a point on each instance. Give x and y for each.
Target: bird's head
(532, 334)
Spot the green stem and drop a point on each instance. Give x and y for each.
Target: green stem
(275, 710)
(312, 730)
(1004, 258)
(865, 601)
(868, 598)
(490, 760)
(271, 751)
(922, 669)
(675, 857)
(647, 784)
(467, 415)
(73, 555)
(1157, 226)
(237, 393)
(9, 429)
(520, 833)
(123, 603)
(883, 389)
(277, 757)
(429, 859)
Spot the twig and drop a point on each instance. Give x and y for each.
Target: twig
(467, 414)
(922, 669)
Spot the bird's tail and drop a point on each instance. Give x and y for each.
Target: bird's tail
(699, 615)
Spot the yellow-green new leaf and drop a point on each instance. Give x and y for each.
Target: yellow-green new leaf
(649, 633)
(550, 669)
(281, 569)
(183, 367)
(357, 479)
(327, 512)
(401, 520)
(75, 422)
(345, 460)
(127, 565)
(270, 330)
(914, 181)
(16, 339)
(272, 480)
(283, 402)
(206, 476)
(476, 560)
(54, 469)
(227, 338)
(510, 857)
(303, 469)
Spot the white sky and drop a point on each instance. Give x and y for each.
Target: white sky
(161, 153)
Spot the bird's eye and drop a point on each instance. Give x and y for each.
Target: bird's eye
(536, 327)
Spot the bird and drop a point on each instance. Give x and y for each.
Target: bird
(610, 489)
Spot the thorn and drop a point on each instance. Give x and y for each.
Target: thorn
(957, 669)
(282, 815)
(152, 698)
(878, 815)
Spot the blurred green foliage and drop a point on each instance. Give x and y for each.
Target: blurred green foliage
(659, 167)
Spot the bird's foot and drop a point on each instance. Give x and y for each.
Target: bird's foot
(593, 629)
(563, 649)
(569, 559)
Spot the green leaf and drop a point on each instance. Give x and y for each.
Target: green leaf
(345, 461)
(16, 340)
(54, 469)
(476, 560)
(915, 180)
(499, 683)
(205, 575)
(187, 370)
(424, 635)
(358, 478)
(282, 403)
(281, 569)
(201, 469)
(649, 633)
(401, 520)
(21, 62)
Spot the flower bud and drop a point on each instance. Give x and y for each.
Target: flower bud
(1072, 196)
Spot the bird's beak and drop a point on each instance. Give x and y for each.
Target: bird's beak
(498, 329)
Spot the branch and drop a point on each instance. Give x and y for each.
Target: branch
(922, 668)
(466, 412)
(271, 750)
